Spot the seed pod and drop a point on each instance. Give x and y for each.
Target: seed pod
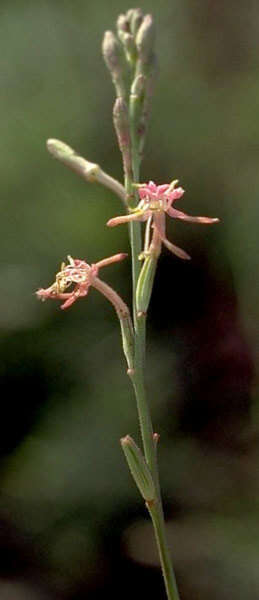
(138, 468)
(145, 284)
(127, 335)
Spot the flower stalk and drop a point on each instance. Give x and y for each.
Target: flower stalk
(141, 68)
(130, 60)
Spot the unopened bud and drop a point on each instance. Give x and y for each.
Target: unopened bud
(71, 159)
(138, 468)
(122, 128)
(145, 39)
(138, 86)
(130, 13)
(137, 94)
(136, 19)
(122, 24)
(115, 61)
(136, 111)
(129, 45)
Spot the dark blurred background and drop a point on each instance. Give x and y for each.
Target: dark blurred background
(72, 524)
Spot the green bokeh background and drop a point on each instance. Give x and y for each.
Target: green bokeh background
(72, 521)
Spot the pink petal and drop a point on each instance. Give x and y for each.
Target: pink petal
(161, 189)
(143, 192)
(159, 224)
(44, 294)
(70, 300)
(79, 292)
(175, 194)
(122, 219)
(109, 261)
(152, 186)
(177, 214)
(136, 216)
(176, 250)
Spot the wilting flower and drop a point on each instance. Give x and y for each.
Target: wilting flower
(81, 276)
(155, 202)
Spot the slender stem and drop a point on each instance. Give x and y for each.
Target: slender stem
(155, 509)
(138, 381)
(165, 559)
(135, 242)
(149, 445)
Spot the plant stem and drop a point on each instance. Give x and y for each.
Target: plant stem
(156, 513)
(149, 445)
(138, 380)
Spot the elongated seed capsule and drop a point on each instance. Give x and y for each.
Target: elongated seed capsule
(145, 284)
(138, 468)
(127, 335)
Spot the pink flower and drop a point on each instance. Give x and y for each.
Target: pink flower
(155, 202)
(79, 274)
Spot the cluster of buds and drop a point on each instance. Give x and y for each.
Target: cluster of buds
(129, 56)
(133, 46)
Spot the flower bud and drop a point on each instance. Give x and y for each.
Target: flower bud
(138, 468)
(129, 14)
(115, 61)
(138, 86)
(137, 94)
(71, 159)
(145, 40)
(122, 128)
(122, 24)
(136, 111)
(129, 45)
(136, 19)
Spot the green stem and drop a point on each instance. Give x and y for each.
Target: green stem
(138, 381)
(149, 445)
(135, 243)
(157, 517)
